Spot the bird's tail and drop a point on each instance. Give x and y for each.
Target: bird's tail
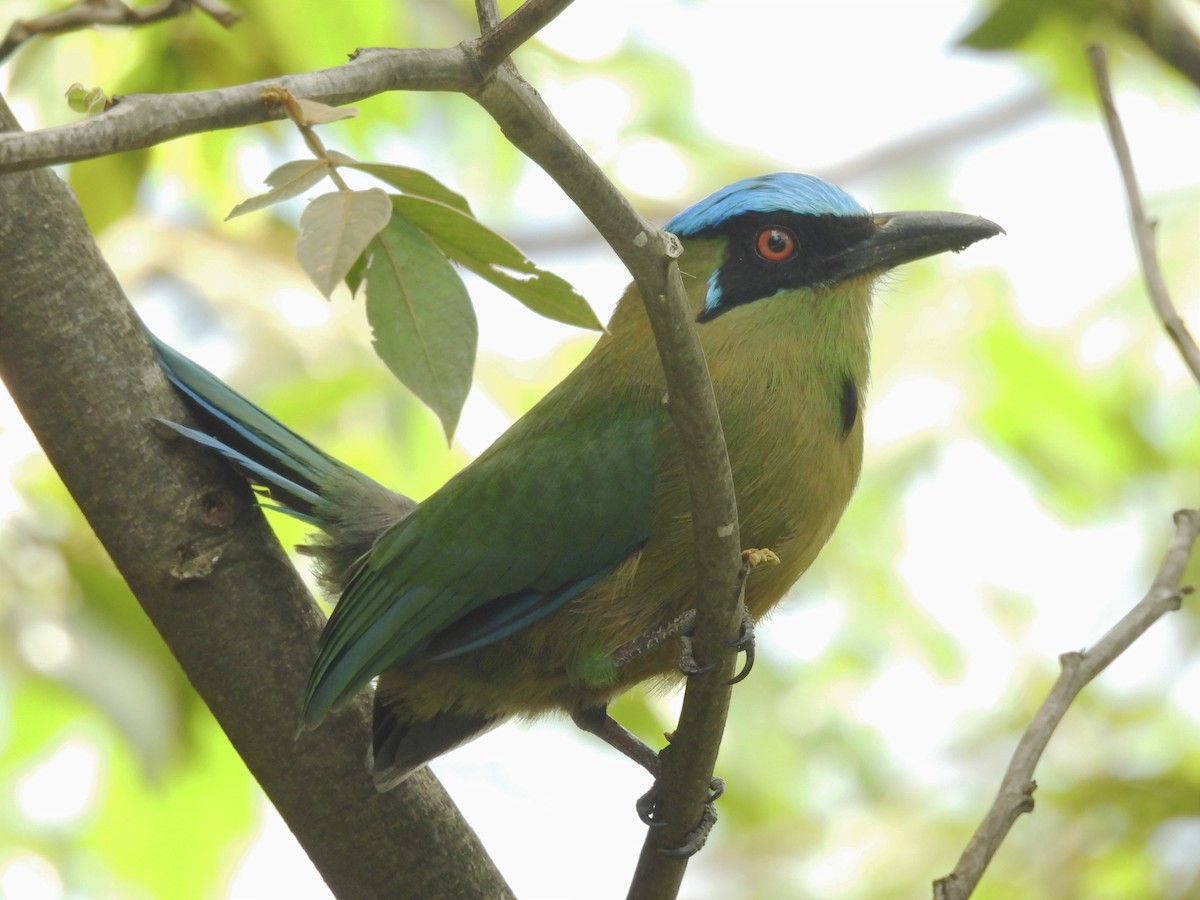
(305, 481)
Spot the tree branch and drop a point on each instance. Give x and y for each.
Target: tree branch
(136, 121)
(1143, 228)
(90, 13)
(1016, 790)
(499, 39)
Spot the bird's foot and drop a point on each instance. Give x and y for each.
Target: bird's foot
(597, 721)
(647, 806)
(743, 642)
(751, 559)
(687, 655)
(683, 625)
(656, 637)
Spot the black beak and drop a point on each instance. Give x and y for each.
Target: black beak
(896, 238)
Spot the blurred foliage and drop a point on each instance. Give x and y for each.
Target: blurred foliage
(1049, 33)
(820, 804)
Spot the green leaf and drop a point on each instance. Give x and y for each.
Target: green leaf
(290, 180)
(335, 229)
(357, 271)
(419, 309)
(494, 259)
(410, 181)
(1006, 26)
(83, 100)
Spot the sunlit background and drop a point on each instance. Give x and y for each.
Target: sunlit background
(1029, 432)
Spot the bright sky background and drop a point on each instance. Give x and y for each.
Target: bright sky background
(767, 76)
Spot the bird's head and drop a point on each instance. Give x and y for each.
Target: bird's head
(788, 231)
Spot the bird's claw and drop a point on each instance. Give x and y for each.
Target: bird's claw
(696, 838)
(744, 642)
(647, 804)
(751, 559)
(687, 658)
(645, 808)
(716, 789)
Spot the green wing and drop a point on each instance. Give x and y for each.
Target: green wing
(560, 499)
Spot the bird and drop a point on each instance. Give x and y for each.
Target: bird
(511, 591)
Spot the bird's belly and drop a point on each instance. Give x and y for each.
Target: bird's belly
(564, 661)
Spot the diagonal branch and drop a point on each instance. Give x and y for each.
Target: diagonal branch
(1016, 790)
(500, 38)
(1143, 228)
(90, 13)
(137, 121)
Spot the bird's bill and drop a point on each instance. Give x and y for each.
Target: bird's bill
(896, 238)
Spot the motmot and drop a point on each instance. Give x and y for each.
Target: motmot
(511, 591)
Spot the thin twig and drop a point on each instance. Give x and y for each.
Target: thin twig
(1143, 228)
(90, 13)
(499, 40)
(1016, 790)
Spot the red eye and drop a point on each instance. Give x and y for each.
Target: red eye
(775, 244)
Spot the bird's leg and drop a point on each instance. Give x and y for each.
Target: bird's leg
(681, 627)
(642, 644)
(596, 720)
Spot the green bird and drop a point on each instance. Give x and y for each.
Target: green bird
(509, 591)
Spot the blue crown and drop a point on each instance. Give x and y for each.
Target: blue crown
(786, 191)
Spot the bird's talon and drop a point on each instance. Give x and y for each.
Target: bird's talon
(645, 807)
(746, 667)
(745, 635)
(687, 659)
(744, 642)
(697, 838)
(696, 669)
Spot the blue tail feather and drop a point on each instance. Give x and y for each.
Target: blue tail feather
(307, 482)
